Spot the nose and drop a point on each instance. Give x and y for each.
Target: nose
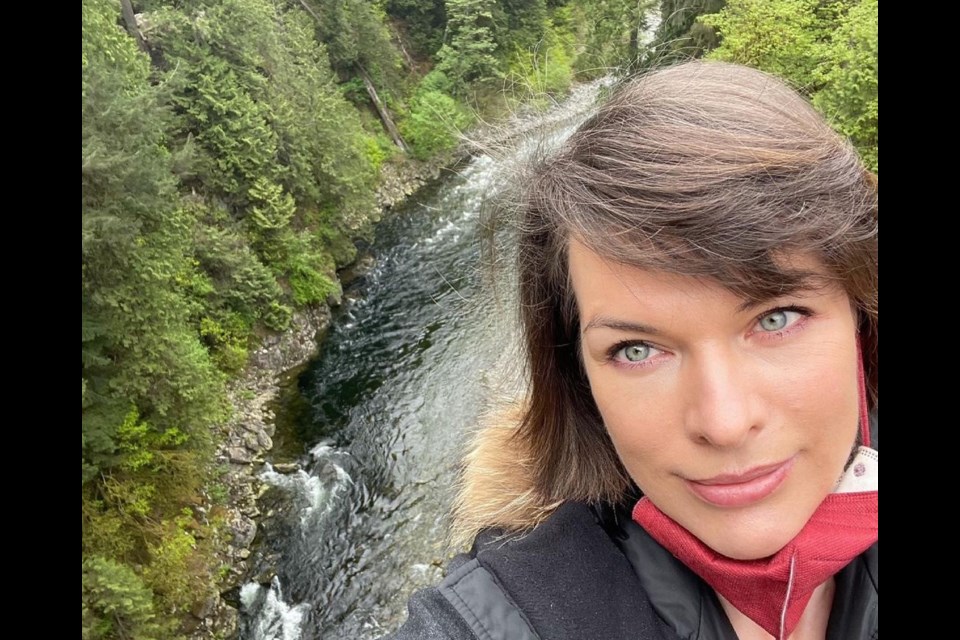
(724, 407)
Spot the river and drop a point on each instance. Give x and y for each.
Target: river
(413, 356)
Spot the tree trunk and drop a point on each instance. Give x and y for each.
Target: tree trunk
(130, 22)
(411, 64)
(371, 90)
(310, 10)
(382, 110)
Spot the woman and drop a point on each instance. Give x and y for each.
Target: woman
(699, 293)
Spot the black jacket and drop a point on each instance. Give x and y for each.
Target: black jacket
(585, 574)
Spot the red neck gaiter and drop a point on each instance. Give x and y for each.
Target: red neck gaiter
(774, 591)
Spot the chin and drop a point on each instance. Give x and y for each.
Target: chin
(744, 550)
(751, 545)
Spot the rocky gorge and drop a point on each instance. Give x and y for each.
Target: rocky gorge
(245, 441)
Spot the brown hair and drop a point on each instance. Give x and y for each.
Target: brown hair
(705, 169)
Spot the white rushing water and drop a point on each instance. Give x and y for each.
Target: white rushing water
(275, 619)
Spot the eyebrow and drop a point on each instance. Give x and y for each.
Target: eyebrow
(606, 322)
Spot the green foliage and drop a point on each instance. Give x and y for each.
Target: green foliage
(355, 91)
(107, 531)
(378, 149)
(468, 56)
(277, 316)
(356, 36)
(541, 72)
(434, 123)
(169, 572)
(321, 139)
(116, 603)
(269, 220)
(850, 94)
(123, 517)
(227, 342)
(423, 22)
(311, 272)
(780, 36)
(228, 283)
(131, 438)
(103, 42)
(521, 25)
(137, 343)
(829, 50)
(608, 34)
(436, 80)
(336, 239)
(255, 92)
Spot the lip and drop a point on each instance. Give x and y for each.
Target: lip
(744, 488)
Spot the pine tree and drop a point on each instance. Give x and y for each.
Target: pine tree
(468, 56)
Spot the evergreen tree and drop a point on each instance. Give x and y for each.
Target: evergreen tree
(468, 55)
(423, 22)
(850, 80)
(520, 25)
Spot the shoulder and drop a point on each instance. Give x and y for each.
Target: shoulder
(563, 579)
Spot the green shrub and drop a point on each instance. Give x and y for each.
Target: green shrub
(433, 124)
(227, 340)
(543, 72)
(850, 97)
(176, 573)
(277, 316)
(378, 149)
(830, 51)
(311, 273)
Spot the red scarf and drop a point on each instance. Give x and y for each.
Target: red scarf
(774, 591)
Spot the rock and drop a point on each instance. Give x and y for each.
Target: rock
(239, 455)
(286, 468)
(264, 441)
(203, 609)
(244, 553)
(252, 425)
(225, 622)
(191, 623)
(270, 428)
(251, 442)
(243, 530)
(360, 267)
(265, 577)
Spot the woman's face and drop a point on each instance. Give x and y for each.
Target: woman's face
(735, 419)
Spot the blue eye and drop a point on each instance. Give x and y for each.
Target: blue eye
(778, 320)
(635, 352)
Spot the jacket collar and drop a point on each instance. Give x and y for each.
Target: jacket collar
(691, 608)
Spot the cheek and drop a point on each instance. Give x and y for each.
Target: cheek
(638, 418)
(823, 392)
